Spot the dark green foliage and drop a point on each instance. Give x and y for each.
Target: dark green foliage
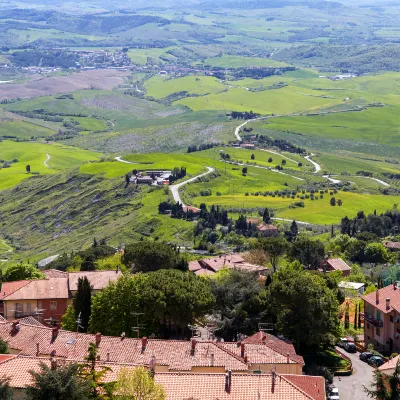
(385, 386)
(266, 216)
(6, 392)
(240, 301)
(274, 247)
(59, 384)
(82, 303)
(20, 272)
(355, 316)
(310, 253)
(347, 317)
(3, 347)
(268, 281)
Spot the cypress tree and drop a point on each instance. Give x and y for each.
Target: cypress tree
(347, 317)
(82, 302)
(359, 316)
(355, 316)
(268, 281)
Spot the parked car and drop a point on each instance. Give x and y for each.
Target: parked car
(365, 356)
(350, 347)
(333, 393)
(375, 361)
(342, 342)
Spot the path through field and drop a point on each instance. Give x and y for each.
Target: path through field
(47, 159)
(316, 165)
(175, 188)
(124, 161)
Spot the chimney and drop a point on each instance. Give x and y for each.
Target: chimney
(117, 269)
(54, 332)
(144, 344)
(377, 296)
(15, 326)
(245, 358)
(394, 285)
(228, 381)
(387, 303)
(53, 364)
(212, 359)
(108, 357)
(273, 375)
(242, 349)
(287, 358)
(98, 339)
(37, 349)
(194, 343)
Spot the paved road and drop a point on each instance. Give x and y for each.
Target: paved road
(175, 188)
(352, 387)
(47, 159)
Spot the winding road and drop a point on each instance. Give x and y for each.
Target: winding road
(124, 161)
(47, 159)
(316, 165)
(175, 188)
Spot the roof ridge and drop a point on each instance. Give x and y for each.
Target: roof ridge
(231, 353)
(281, 352)
(27, 281)
(296, 387)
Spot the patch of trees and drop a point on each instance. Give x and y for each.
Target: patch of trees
(201, 147)
(56, 58)
(177, 173)
(244, 115)
(259, 73)
(281, 144)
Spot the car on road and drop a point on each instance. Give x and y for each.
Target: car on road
(375, 361)
(365, 356)
(350, 347)
(333, 393)
(342, 342)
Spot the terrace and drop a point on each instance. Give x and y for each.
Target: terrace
(373, 321)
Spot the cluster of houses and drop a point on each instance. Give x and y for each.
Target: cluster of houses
(151, 178)
(259, 367)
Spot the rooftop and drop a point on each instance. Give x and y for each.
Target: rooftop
(391, 292)
(267, 227)
(98, 279)
(338, 264)
(392, 245)
(351, 285)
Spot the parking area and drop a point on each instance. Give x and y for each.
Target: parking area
(352, 387)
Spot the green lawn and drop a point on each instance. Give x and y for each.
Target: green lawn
(24, 130)
(35, 154)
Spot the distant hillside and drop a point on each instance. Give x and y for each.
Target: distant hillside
(360, 59)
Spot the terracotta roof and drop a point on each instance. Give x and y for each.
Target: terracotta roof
(197, 386)
(175, 354)
(392, 245)
(389, 292)
(55, 273)
(338, 264)
(388, 367)
(8, 288)
(98, 279)
(30, 321)
(2, 319)
(267, 227)
(243, 387)
(39, 289)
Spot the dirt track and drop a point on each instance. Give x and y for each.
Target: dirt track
(42, 86)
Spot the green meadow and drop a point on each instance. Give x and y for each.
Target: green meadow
(228, 61)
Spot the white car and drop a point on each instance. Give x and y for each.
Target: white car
(334, 394)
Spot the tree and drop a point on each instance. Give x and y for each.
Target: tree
(270, 160)
(68, 320)
(21, 271)
(253, 157)
(376, 253)
(346, 317)
(275, 247)
(283, 162)
(138, 384)
(60, 383)
(82, 302)
(149, 256)
(3, 347)
(268, 281)
(266, 216)
(304, 308)
(339, 202)
(386, 386)
(94, 375)
(355, 316)
(28, 169)
(6, 393)
(294, 230)
(332, 201)
(309, 252)
(244, 170)
(239, 302)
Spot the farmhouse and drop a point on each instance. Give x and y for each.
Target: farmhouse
(209, 266)
(335, 264)
(268, 230)
(181, 386)
(351, 288)
(392, 246)
(48, 298)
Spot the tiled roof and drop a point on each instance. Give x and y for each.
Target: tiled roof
(389, 292)
(243, 387)
(267, 227)
(8, 288)
(30, 321)
(39, 289)
(392, 245)
(390, 365)
(338, 264)
(98, 279)
(55, 273)
(175, 354)
(197, 386)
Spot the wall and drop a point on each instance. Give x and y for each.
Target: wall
(294, 369)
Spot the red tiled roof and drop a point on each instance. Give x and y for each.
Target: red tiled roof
(55, 273)
(52, 288)
(389, 292)
(197, 386)
(267, 227)
(8, 288)
(338, 264)
(392, 245)
(243, 387)
(98, 279)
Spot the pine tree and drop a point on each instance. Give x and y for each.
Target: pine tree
(359, 316)
(82, 302)
(355, 316)
(266, 216)
(347, 317)
(268, 281)
(387, 386)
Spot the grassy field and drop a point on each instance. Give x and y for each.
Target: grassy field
(35, 154)
(23, 130)
(228, 61)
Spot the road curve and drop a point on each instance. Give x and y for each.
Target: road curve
(316, 165)
(47, 159)
(175, 188)
(291, 220)
(124, 161)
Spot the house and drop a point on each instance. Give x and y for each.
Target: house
(336, 264)
(392, 246)
(181, 386)
(48, 298)
(194, 210)
(269, 354)
(382, 319)
(209, 266)
(388, 367)
(145, 179)
(268, 230)
(352, 288)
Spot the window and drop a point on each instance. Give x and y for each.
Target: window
(391, 318)
(378, 315)
(39, 304)
(53, 305)
(18, 307)
(367, 325)
(378, 331)
(28, 307)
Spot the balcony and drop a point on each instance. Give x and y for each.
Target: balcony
(373, 321)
